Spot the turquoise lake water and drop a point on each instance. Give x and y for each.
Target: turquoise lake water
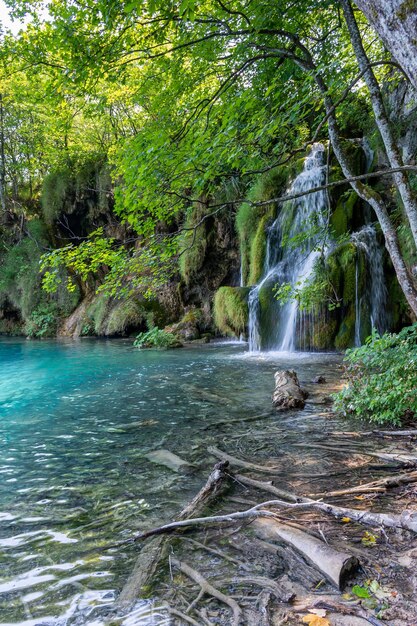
(76, 419)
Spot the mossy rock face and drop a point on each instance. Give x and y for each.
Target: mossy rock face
(399, 309)
(190, 326)
(269, 313)
(320, 336)
(345, 337)
(230, 310)
(193, 244)
(258, 251)
(251, 221)
(106, 317)
(341, 217)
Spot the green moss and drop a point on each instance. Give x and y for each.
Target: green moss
(57, 188)
(342, 215)
(97, 312)
(127, 314)
(20, 280)
(231, 310)
(193, 316)
(324, 329)
(193, 244)
(248, 220)
(257, 251)
(346, 334)
(87, 183)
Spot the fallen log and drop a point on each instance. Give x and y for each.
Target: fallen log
(219, 454)
(334, 565)
(208, 589)
(288, 393)
(406, 520)
(155, 550)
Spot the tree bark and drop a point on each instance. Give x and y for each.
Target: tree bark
(381, 118)
(395, 21)
(374, 199)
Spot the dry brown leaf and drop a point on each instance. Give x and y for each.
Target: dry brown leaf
(315, 620)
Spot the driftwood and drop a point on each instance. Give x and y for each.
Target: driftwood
(219, 454)
(155, 550)
(380, 485)
(208, 589)
(406, 520)
(267, 486)
(288, 393)
(334, 565)
(402, 459)
(330, 562)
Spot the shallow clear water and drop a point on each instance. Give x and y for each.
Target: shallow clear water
(76, 419)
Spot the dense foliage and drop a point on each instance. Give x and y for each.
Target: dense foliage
(381, 378)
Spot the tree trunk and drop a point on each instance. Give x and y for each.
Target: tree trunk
(395, 21)
(3, 213)
(381, 118)
(374, 199)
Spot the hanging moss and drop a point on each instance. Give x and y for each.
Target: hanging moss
(193, 244)
(87, 184)
(231, 310)
(257, 251)
(124, 316)
(57, 190)
(249, 218)
(345, 337)
(20, 280)
(323, 331)
(341, 217)
(96, 314)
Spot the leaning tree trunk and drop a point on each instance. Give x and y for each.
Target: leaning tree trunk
(374, 199)
(364, 191)
(395, 21)
(381, 118)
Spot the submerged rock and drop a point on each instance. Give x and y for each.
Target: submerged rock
(170, 460)
(319, 380)
(288, 393)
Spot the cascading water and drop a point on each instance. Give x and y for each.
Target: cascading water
(290, 258)
(367, 244)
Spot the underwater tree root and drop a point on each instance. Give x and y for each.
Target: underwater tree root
(208, 589)
(401, 459)
(381, 486)
(155, 550)
(219, 454)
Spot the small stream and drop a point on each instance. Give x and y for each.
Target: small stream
(77, 419)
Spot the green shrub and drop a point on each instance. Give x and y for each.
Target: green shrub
(382, 378)
(43, 322)
(156, 338)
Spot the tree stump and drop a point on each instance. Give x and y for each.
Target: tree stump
(288, 393)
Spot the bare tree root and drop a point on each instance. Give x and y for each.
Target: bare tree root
(280, 592)
(402, 459)
(155, 550)
(219, 454)
(208, 589)
(381, 485)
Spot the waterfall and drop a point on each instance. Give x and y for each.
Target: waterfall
(290, 258)
(366, 243)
